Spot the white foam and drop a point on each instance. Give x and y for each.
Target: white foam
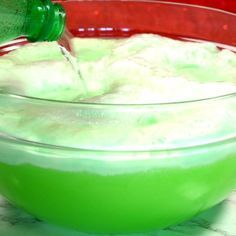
(144, 69)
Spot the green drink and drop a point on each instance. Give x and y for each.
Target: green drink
(151, 145)
(74, 190)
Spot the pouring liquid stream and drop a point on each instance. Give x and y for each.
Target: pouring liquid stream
(69, 54)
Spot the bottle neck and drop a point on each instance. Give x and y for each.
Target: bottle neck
(45, 21)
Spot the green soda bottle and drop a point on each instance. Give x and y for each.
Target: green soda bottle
(37, 20)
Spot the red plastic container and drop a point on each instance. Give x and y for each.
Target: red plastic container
(124, 18)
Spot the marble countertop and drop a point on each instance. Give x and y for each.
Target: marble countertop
(218, 221)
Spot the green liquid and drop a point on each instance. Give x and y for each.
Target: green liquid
(111, 192)
(135, 201)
